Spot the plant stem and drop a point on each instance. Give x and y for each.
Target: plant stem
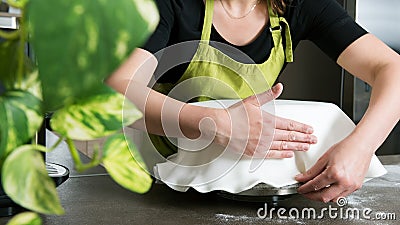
(40, 148)
(79, 166)
(21, 51)
(9, 35)
(60, 139)
(73, 151)
(33, 146)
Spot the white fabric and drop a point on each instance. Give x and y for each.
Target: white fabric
(225, 172)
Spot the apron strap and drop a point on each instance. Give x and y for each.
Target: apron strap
(288, 40)
(206, 33)
(276, 30)
(273, 17)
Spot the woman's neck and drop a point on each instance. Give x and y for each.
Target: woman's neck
(239, 8)
(239, 3)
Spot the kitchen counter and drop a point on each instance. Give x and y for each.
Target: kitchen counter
(94, 198)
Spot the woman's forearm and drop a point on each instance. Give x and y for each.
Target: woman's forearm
(161, 113)
(164, 115)
(384, 108)
(372, 61)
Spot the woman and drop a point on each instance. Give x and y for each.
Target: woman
(266, 31)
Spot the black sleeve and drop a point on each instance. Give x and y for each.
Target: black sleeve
(331, 29)
(160, 37)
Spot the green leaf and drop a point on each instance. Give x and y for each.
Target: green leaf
(84, 42)
(124, 164)
(26, 182)
(21, 116)
(17, 3)
(31, 84)
(95, 117)
(26, 218)
(8, 61)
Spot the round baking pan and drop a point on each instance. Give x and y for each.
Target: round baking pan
(263, 193)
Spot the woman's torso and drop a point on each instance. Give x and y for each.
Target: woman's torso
(316, 20)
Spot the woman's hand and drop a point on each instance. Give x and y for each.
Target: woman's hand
(246, 128)
(338, 173)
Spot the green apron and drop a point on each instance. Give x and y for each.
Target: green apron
(213, 75)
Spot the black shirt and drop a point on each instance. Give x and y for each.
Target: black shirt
(324, 22)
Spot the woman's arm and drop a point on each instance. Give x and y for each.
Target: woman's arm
(166, 116)
(132, 79)
(343, 167)
(373, 62)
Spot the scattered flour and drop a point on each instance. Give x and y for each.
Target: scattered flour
(391, 179)
(251, 220)
(227, 218)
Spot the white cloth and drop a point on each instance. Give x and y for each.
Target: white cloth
(226, 172)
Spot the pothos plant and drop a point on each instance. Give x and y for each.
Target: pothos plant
(76, 44)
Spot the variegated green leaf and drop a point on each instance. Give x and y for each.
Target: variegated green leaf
(95, 117)
(31, 84)
(17, 3)
(21, 116)
(26, 182)
(84, 42)
(25, 218)
(8, 61)
(124, 164)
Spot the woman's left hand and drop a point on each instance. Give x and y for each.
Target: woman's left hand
(338, 173)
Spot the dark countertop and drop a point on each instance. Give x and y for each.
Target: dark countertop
(94, 198)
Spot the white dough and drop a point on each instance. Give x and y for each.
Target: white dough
(229, 172)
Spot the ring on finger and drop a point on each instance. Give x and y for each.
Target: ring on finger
(317, 188)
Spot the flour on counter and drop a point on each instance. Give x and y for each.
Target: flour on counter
(227, 218)
(361, 201)
(248, 219)
(391, 179)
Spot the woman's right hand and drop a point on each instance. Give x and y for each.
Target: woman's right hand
(247, 129)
